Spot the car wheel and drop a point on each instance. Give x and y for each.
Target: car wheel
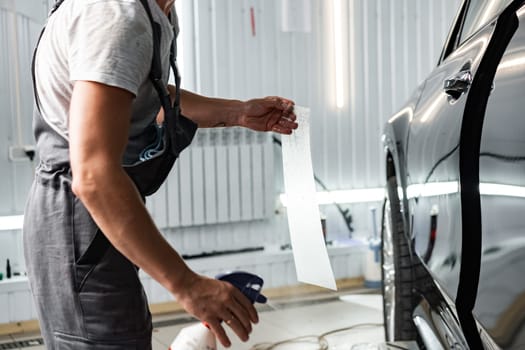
(397, 270)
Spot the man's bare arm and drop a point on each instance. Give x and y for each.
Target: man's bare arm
(98, 127)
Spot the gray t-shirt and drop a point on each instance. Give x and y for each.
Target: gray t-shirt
(106, 41)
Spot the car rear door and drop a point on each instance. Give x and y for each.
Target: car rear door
(442, 157)
(433, 155)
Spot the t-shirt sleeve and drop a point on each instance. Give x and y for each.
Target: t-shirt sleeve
(111, 43)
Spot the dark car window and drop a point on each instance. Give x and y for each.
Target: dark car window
(479, 13)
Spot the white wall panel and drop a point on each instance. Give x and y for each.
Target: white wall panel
(234, 179)
(4, 300)
(388, 47)
(222, 182)
(19, 28)
(245, 183)
(197, 183)
(20, 304)
(258, 181)
(173, 197)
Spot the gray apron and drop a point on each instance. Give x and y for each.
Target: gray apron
(87, 294)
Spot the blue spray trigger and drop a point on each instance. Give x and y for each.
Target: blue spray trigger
(249, 284)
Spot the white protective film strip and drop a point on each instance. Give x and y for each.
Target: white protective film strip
(304, 221)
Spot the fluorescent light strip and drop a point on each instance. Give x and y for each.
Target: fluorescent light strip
(432, 189)
(11, 223)
(444, 188)
(345, 196)
(338, 52)
(366, 195)
(487, 189)
(414, 191)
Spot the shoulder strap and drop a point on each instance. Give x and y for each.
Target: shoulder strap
(173, 63)
(35, 91)
(172, 112)
(156, 64)
(55, 7)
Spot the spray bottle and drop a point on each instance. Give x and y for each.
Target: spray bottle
(199, 336)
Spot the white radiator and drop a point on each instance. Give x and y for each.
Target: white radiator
(225, 176)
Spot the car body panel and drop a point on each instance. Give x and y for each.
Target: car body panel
(500, 304)
(433, 165)
(434, 162)
(424, 140)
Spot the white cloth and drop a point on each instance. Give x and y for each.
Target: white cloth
(106, 41)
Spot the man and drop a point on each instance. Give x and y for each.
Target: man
(86, 229)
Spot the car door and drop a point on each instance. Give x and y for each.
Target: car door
(500, 304)
(442, 158)
(434, 150)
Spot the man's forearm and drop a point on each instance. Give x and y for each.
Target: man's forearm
(210, 112)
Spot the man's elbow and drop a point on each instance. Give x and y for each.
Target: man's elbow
(85, 182)
(91, 179)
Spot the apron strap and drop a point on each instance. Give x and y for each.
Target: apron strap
(35, 91)
(155, 74)
(55, 6)
(177, 137)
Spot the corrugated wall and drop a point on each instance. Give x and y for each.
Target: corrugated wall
(238, 49)
(388, 48)
(20, 22)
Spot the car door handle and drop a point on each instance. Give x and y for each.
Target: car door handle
(458, 83)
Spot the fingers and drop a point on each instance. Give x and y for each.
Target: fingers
(219, 332)
(280, 103)
(284, 126)
(288, 110)
(240, 315)
(241, 330)
(213, 301)
(237, 319)
(285, 121)
(232, 308)
(281, 123)
(243, 307)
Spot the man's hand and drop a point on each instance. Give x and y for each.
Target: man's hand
(269, 114)
(213, 301)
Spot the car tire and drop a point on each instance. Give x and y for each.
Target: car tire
(397, 270)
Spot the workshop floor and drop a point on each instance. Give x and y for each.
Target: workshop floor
(359, 314)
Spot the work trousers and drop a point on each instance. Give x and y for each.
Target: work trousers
(87, 294)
